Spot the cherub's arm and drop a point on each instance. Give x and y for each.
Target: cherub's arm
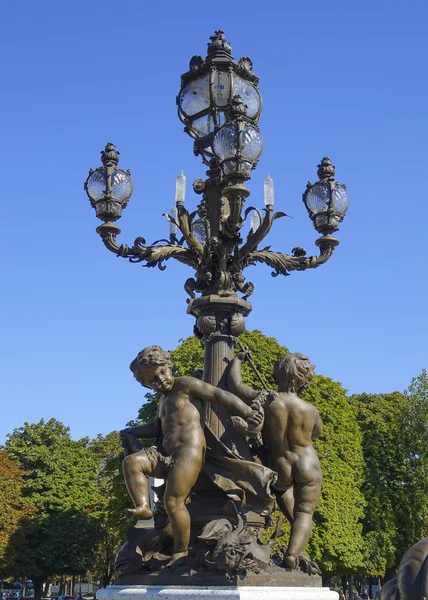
(210, 393)
(148, 430)
(317, 430)
(236, 385)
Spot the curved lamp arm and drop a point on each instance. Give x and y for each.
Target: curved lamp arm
(255, 237)
(152, 255)
(282, 264)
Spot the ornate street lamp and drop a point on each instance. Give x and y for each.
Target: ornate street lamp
(326, 200)
(108, 187)
(207, 91)
(220, 105)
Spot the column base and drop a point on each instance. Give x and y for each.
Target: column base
(231, 592)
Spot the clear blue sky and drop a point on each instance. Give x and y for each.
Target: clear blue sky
(343, 79)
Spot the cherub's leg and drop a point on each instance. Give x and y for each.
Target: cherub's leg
(136, 468)
(182, 476)
(306, 496)
(285, 501)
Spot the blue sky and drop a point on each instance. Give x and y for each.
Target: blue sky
(342, 79)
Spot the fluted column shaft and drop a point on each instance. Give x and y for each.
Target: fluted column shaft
(219, 321)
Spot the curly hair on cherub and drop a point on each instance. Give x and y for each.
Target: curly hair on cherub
(293, 372)
(150, 356)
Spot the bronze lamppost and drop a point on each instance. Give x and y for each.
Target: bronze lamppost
(220, 104)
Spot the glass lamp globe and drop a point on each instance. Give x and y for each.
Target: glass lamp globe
(238, 146)
(109, 192)
(208, 88)
(108, 187)
(326, 201)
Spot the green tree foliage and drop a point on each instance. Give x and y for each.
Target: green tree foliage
(416, 435)
(114, 500)
(13, 509)
(395, 452)
(336, 542)
(59, 484)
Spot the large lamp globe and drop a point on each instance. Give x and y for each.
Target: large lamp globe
(326, 200)
(207, 90)
(108, 187)
(238, 144)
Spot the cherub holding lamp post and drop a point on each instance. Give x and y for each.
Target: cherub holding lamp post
(179, 457)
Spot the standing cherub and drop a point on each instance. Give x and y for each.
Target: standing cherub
(180, 451)
(289, 427)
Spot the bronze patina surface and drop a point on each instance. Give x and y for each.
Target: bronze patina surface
(220, 490)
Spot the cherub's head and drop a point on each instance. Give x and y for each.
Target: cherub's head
(153, 368)
(293, 372)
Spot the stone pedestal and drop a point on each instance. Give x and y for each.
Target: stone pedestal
(231, 592)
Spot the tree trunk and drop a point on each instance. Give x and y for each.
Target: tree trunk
(38, 586)
(344, 584)
(106, 578)
(61, 590)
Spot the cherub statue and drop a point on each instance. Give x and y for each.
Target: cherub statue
(290, 425)
(180, 451)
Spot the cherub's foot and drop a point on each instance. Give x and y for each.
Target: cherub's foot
(177, 559)
(139, 512)
(289, 562)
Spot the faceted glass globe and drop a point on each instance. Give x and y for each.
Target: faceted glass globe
(202, 126)
(199, 230)
(96, 184)
(317, 198)
(340, 200)
(195, 96)
(225, 143)
(249, 95)
(120, 185)
(251, 144)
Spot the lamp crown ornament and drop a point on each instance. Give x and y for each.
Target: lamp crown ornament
(325, 169)
(110, 156)
(218, 44)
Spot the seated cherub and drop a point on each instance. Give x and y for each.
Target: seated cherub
(179, 457)
(290, 425)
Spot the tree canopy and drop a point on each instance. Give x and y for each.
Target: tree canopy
(336, 541)
(59, 484)
(114, 500)
(13, 509)
(394, 428)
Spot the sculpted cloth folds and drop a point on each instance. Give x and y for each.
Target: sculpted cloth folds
(234, 474)
(250, 481)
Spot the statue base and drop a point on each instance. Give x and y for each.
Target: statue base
(207, 592)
